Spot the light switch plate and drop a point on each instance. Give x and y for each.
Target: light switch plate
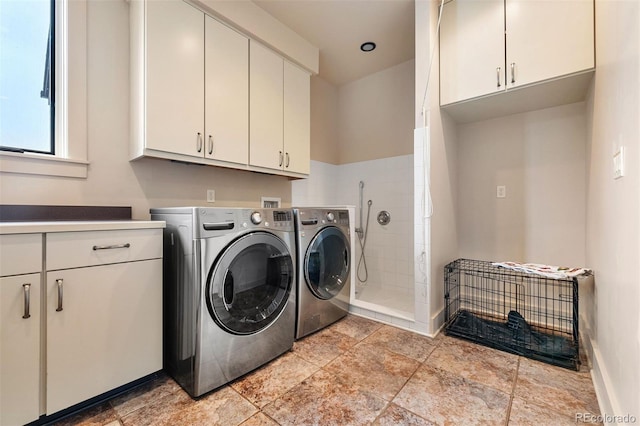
(211, 196)
(501, 191)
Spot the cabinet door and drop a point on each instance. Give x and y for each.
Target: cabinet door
(175, 78)
(297, 119)
(472, 50)
(226, 93)
(19, 349)
(265, 108)
(547, 39)
(107, 333)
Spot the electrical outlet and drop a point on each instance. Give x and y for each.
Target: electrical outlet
(501, 191)
(211, 196)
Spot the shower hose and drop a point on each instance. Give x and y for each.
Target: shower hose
(362, 238)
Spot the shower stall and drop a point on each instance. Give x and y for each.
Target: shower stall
(383, 278)
(382, 275)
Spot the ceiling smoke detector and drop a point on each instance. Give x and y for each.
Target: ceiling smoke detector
(367, 46)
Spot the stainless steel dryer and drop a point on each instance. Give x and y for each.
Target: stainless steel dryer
(229, 292)
(324, 261)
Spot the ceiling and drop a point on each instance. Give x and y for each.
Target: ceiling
(339, 27)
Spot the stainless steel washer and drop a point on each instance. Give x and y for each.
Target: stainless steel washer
(324, 261)
(229, 292)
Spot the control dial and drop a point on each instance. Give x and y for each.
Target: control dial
(330, 217)
(256, 218)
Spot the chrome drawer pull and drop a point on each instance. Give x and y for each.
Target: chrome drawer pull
(513, 72)
(498, 75)
(59, 283)
(114, 246)
(27, 300)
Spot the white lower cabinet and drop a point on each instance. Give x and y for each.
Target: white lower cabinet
(19, 349)
(104, 329)
(82, 322)
(104, 312)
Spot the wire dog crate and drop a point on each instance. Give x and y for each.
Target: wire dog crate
(524, 314)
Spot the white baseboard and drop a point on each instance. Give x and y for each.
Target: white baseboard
(603, 385)
(437, 322)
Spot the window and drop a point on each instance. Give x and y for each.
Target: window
(27, 76)
(52, 144)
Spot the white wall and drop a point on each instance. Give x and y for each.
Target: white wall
(613, 208)
(540, 157)
(112, 179)
(376, 115)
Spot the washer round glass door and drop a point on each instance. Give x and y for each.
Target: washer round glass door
(326, 263)
(250, 282)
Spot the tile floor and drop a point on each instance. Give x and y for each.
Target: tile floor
(358, 371)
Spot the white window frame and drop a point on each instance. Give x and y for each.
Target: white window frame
(70, 159)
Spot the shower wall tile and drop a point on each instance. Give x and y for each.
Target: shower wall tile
(319, 189)
(388, 183)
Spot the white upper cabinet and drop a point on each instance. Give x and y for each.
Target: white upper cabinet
(266, 108)
(491, 46)
(174, 78)
(280, 113)
(548, 39)
(226, 93)
(471, 49)
(199, 94)
(297, 119)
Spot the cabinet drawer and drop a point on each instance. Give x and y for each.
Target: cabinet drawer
(20, 254)
(77, 249)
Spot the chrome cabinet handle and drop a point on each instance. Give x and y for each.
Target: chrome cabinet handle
(59, 283)
(27, 300)
(113, 246)
(199, 142)
(281, 158)
(210, 144)
(513, 72)
(498, 75)
(287, 163)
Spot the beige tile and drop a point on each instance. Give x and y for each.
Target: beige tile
(402, 342)
(356, 327)
(375, 369)
(323, 346)
(144, 395)
(446, 398)
(114, 423)
(524, 413)
(272, 380)
(159, 411)
(394, 416)
(95, 416)
(476, 362)
(260, 419)
(324, 400)
(223, 407)
(565, 391)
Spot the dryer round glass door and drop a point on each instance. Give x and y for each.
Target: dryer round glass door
(250, 282)
(326, 263)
